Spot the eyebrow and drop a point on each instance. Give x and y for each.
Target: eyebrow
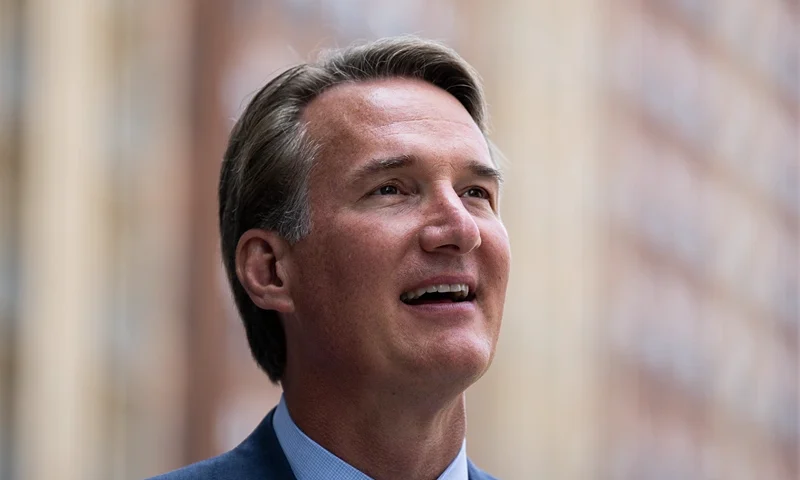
(380, 165)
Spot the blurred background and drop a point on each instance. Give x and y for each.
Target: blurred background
(653, 203)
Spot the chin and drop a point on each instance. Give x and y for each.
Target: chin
(454, 361)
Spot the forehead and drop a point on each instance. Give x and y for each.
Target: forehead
(392, 117)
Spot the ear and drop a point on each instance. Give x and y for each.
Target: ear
(261, 265)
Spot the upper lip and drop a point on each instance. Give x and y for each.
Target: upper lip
(469, 281)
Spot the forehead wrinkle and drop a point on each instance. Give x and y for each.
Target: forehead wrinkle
(463, 143)
(424, 120)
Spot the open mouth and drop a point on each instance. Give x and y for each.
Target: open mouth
(455, 293)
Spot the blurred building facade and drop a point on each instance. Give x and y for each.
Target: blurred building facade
(653, 203)
(701, 173)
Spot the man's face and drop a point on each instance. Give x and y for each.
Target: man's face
(403, 201)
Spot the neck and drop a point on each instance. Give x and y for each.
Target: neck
(386, 436)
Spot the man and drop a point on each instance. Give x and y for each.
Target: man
(363, 243)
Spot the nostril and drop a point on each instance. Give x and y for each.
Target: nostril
(455, 239)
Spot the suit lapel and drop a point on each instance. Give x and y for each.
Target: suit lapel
(262, 455)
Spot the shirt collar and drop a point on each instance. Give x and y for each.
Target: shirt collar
(310, 461)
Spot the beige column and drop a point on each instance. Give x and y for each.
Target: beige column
(151, 420)
(60, 397)
(532, 416)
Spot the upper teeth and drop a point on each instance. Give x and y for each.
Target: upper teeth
(461, 288)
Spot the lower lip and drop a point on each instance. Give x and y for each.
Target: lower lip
(443, 310)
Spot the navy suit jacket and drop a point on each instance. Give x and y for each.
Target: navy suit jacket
(259, 457)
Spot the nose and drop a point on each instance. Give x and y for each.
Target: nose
(449, 227)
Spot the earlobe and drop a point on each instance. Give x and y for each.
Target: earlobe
(260, 266)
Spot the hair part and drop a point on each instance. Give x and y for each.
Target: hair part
(264, 176)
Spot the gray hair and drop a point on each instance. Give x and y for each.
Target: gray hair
(264, 177)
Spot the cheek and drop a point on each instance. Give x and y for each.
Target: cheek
(497, 254)
(345, 277)
(495, 268)
(359, 250)
(360, 255)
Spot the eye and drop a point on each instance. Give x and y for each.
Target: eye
(476, 192)
(387, 190)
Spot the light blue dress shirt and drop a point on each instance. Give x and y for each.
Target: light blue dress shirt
(310, 461)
